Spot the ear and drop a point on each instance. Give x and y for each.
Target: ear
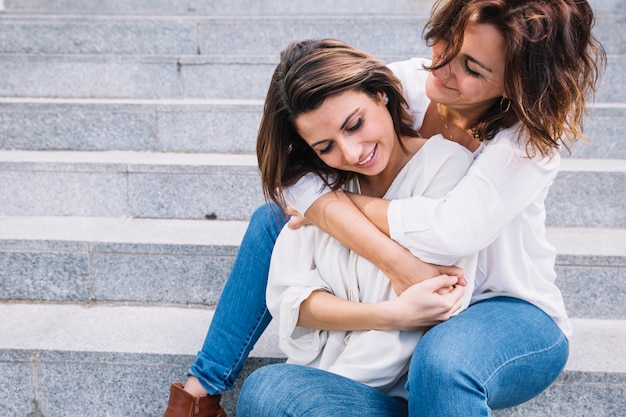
(383, 97)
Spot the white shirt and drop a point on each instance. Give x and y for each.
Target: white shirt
(497, 209)
(307, 259)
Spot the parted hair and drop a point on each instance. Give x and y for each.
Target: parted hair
(552, 64)
(309, 72)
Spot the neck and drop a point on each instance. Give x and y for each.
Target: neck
(377, 185)
(457, 125)
(456, 118)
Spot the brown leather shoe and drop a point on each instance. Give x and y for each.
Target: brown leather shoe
(183, 404)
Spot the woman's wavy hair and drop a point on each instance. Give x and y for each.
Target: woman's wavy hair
(552, 64)
(309, 72)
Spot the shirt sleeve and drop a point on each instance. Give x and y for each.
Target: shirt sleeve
(293, 276)
(501, 183)
(305, 191)
(412, 76)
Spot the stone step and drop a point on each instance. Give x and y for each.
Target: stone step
(201, 125)
(112, 360)
(389, 34)
(180, 77)
(580, 185)
(229, 7)
(69, 259)
(208, 36)
(586, 193)
(133, 184)
(212, 7)
(117, 361)
(186, 262)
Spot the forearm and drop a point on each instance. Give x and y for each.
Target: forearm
(422, 306)
(335, 214)
(326, 311)
(374, 209)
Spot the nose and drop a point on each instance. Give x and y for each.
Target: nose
(443, 73)
(351, 151)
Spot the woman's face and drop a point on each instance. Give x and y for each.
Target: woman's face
(475, 77)
(351, 131)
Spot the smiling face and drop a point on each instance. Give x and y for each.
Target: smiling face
(475, 77)
(352, 131)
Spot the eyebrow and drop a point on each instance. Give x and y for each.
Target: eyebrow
(343, 125)
(477, 62)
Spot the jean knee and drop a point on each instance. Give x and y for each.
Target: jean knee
(257, 395)
(268, 217)
(435, 358)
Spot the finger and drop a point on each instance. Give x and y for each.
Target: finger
(457, 295)
(456, 308)
(460, 274)
(297, 221)
(442, 281)
(445, 290)
(293, 223)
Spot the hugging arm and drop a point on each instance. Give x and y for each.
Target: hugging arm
(335, 214)
(500, 184)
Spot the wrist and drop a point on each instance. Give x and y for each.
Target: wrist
(383, 316)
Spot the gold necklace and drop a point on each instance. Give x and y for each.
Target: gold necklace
(445, 124)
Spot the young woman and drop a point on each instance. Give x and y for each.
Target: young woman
(339, 113)
(511, 79)
(328, 77)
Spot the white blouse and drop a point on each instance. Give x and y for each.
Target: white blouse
(307, 259)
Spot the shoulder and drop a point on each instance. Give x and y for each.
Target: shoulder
(507, 150)
(412, 76)
(440, 163)
(410, 69)
(441, 151)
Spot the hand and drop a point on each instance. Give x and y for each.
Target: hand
(296, 220)
(451, 271)
(410, 270)
(425, 304)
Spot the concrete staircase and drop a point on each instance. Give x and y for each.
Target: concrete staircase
(127, 167)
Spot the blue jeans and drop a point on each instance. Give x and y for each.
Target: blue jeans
(241, 315)
(299, 391)
(496, 354)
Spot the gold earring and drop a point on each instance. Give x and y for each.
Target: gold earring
(505, 108)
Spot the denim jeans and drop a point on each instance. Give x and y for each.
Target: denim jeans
(300, 391)
(241, 315)
(496, 354)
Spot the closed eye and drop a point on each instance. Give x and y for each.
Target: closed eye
(326, 149)
(470, 72)
(356, 125)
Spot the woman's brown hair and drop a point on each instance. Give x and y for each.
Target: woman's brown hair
(552, 64)
(309, 72)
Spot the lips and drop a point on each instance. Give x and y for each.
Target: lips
(441, 83)
(368, 158)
